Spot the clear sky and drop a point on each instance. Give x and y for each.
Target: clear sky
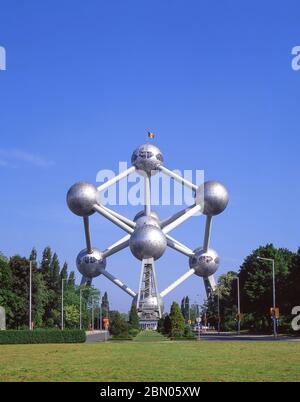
(213, 79)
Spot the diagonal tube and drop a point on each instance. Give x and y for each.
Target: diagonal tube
(119, 283)
(115, 179)
(178, 282)
(113, 219)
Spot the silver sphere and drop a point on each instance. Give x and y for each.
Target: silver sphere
(150, 302)
(142, 213)
(90, 265)
(204, 263)
(82, 197)
(148, 158)
(147, 241)
(142, 219)
(215, 197)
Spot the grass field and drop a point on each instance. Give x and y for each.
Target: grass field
(152, 361)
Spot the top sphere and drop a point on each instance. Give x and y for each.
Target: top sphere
(148, 158)
(82, 197)
(215, 196)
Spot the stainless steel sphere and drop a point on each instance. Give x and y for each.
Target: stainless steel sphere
(142, 213)
(147, 241)
(147, 220)
(90, 265)
(148, 158)
(81, 198)
(150, 302)
(204, 263)
(215, 197)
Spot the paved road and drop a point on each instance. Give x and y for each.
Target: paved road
(97, 336)
(253, 338)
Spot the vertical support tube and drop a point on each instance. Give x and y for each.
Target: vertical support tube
(87, 234)
(239, 305)
(207, 233)
(62, 304)
(147, 195)
(30, 295)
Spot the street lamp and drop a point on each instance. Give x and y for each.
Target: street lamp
(239, 304)
(80, 308)
(30, 295)
(62, 302)
(219, 318)
(274, 290)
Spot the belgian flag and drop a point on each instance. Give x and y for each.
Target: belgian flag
(151, 135)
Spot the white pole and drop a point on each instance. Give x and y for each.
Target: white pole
(92, 314)
(80, 306)
(62, 303)
(30, 295)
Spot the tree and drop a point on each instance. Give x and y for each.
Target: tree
(7, 297)
(64, 272)
(134, 319)
(45, 264)
(55, 274)
(71, 280)
(118, 326)
(177, 321)
(71, 316)
(256, 282)
(185, 308)
(167, 326)
(105, 305)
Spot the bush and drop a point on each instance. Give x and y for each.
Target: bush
(188, 333)
(133, 332)
(42, 336)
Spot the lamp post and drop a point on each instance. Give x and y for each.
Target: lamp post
(238, 305)
(219, 318)
(92, 314)
(274, 291)
(62, 303)
(30, 295)
(80, 308)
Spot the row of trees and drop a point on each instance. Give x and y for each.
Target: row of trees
(47, 280)
(255, 278)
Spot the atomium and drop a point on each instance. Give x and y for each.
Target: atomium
(215, 197)
(205, 263)
(147, 241)
(90, 264)
(147, 158)
(147, 236)
(82, 197)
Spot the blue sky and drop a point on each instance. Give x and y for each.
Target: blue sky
(212, 79)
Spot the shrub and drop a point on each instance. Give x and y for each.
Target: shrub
(42, 336)
(133, 332)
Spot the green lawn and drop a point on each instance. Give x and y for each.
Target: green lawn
(152, 361)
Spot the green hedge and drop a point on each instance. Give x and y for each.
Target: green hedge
(42, 336)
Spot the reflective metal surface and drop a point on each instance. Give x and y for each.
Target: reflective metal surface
(205, 263)
(81, 197)
(90, 265)
(148, 158)
(215, 197)
(147, 241)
